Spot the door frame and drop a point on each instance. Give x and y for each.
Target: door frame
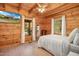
(23, 29)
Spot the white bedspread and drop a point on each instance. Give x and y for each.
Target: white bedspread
(56, 44)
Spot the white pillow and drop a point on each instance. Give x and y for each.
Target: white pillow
(72, 34)
(76, 39)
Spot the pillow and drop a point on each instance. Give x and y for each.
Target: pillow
(76, 39)
(72, 34)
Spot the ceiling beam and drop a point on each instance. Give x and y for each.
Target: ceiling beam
(19, 7)
(12, 5)
(2, 6)
(35, 5)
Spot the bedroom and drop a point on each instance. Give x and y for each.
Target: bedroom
(36, 20)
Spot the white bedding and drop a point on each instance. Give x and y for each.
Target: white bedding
(56, 44)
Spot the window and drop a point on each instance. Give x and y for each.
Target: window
(57, 26)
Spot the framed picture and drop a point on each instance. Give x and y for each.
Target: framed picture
(9, 17)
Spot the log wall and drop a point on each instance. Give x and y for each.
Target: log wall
(9, 33)
(72, 18)
(45, 24)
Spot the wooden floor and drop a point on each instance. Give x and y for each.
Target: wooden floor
(30, 49)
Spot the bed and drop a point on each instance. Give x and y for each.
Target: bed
(57, 44)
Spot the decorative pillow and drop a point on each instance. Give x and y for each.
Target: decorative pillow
(76, 39)
(72, 34)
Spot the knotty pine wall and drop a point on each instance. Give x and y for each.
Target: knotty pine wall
(44, 23)
(9, 33)
(72, 17)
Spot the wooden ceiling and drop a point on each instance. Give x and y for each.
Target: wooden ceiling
(30, 9)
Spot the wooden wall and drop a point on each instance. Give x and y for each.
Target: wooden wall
(44, 23)
(9, 33)
(72, 17)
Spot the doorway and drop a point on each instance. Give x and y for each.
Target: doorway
(28, 30)
(28, 33)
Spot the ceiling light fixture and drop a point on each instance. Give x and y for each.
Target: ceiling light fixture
(41, 7)
(41, 10)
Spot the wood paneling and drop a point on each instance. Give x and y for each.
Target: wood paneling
(72, 17)
(9, 33)
(23, 12)
(11, 9)
(61, 9)
(44, 23)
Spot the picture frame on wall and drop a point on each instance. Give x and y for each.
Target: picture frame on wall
(9, 17)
